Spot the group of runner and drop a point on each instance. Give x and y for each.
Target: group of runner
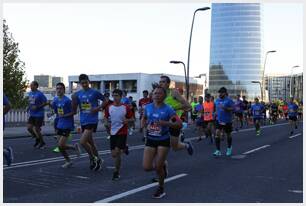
(162, 118)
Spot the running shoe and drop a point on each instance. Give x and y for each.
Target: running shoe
(77, 149)
(92, 164)
(56, 149)
(291, 133)
(67, 165)
(116, 176)
(189, 148)
(296, 127)
(42, 145)
(126, 149)
(36, 143)
(199, 139)
(229, 151)
(8, 154)
(130, 132)
(236, 129)
(258, 132)
(108, 137)
(217, 153)
(99, 164)
(159, 193)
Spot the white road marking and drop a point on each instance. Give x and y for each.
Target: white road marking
(295, 135)
(296, 191)
(139, 189)
(254, 150)
(82, 177)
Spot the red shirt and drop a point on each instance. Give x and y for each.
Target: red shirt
(143, 102)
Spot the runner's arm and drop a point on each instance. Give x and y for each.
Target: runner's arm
(185, 105)
(74, 104)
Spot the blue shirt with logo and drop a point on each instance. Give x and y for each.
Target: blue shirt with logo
(154, 114)
(36, 98)
(292, 109)
(222, 115)
(62, 106)
(88, 100)
(257, 110)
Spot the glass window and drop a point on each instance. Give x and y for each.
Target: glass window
(129, 85)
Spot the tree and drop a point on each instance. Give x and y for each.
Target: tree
(14, 80)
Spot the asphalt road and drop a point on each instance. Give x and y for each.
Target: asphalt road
(266, 168)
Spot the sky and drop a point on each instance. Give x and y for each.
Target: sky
(62, 39)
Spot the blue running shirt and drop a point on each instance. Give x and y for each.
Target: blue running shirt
(154, 114)
(61, 107)
(36, 98)
(88, 100)
(223, 116)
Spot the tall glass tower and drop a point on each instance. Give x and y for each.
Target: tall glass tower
(235, 49)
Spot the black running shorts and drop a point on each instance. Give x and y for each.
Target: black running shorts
(118, 141)
(227, 127)
(63, 132)
(89, 127)
(36, 121)
(157, 143)
(294, 118)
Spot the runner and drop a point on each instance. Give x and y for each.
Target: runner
(133, 108)
(193, 113)
(141, 104)
(257, 110)
(238, 111)
(199, 111)
(119, 115)
(293, 108)
(37, 102)
(125, 99)
(158, 118)
(245, 110)
(87, 100)
(209, 111)
(179, 104)
(224, 107)
(7, 151)
(65, 123)
(106, 121)
(273, 112)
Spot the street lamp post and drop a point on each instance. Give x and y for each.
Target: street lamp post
(188, 59)
(180, 62)
(264, 68)
(258, 82)
(291, 79)
(199, 76)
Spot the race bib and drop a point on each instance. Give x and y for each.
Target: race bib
(154, 130)
(85, 107)
(60, 111)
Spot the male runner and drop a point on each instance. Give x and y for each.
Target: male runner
(158, 118)
(37, 102)
(7, 151)
(106, 121)
(209, 112)
(133, 108)
(179, 104)
(199, 111)
(238, 111)
(193, 104)
(119, 116)
(224, 107)
(293, 108)
(88, 101)
(142, 103)
(273, 112)
(245, 110)
(62, 107)
(257, 109)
